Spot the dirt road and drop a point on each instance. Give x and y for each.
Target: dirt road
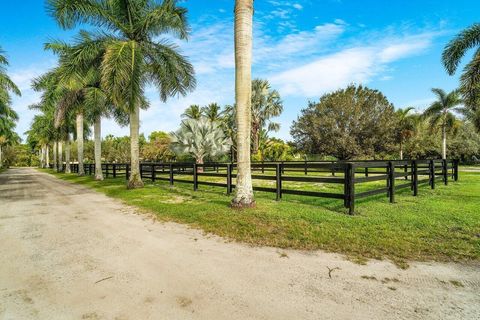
(70, 253)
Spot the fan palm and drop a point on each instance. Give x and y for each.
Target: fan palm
(406, 126)
(243, 99)
(440, 113)
(200, 138)
(266, 103)
(470, 78)
(133, 54)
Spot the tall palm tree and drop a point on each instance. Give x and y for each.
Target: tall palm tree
(452, 55)
(133, 53)
(440, 113)
(243, 98)
(8, 116)
(266, 103)
(406, 126)
(193, 112)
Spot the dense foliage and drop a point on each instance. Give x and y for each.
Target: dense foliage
(356, 122)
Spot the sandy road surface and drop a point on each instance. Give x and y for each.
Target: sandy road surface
(69, 253)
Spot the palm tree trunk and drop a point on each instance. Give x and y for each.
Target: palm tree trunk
(256, 139)
(1, 160)
(135, 180)
(67, 154)
(81, 169)
(97, 134)
(444, 142)
(47, 156)
(401, 151)
(60, 156)
(243, 92)
(55, 153)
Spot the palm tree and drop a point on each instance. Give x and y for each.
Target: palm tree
(8, 116)
(200, 138)
(266, 103)
(132, 53)
(193, 112)
(243, 98)
(440, 113)
(406, 126)
(213, 112)
(470, 78)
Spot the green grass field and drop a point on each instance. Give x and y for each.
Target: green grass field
(440, 225)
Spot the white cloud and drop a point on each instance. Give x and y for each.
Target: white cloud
(297, 6)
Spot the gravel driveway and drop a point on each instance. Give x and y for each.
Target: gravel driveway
(68, 252)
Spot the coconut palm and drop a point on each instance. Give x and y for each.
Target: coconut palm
(193, 112)
(134, 55)
(266, 103)
(406, 126)
(213, 112)
(452, 55)
(200, 138)
(243, 94)
(440, 113)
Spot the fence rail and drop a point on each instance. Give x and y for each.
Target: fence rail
(397, 175)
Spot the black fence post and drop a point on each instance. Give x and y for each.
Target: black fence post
(391, 181)
(195, 177)
(366, 172)
(306, 167)
(349, 188)
(127, 171)
(445, 171)
(432, 173)
(278, 176)
(415, 177)
(141, 171)
(229, 178)
(263, 166)
(154, 173)
(455, 169)
(333, 168)
(405, 170)
(171, 174)
(114, 170)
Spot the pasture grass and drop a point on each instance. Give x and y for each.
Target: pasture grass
(437, 225)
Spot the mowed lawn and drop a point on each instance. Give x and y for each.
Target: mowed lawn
(440, 225)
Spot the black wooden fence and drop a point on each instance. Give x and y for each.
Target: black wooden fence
(397, 174)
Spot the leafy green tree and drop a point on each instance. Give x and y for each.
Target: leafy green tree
(452, 55)
(351, 123)
(440, 113)
(158, 147)
(132, 53)
(277, 150)
(266, 104)
(200, 138)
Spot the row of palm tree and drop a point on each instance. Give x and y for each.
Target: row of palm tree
(8, 116)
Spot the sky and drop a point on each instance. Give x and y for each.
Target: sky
(305, 48)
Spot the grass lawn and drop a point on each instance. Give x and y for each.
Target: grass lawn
(441, 224)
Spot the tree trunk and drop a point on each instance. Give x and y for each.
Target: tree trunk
(256, 139)
(97, 134)
(55, 152)
(199, 161)
(41, 155)
(67, 154)
(135, 180)
(47, 156)
(243, 93)
(401, 151)
(1, 160)
(81, 169)
(60, 156)
(444, 143)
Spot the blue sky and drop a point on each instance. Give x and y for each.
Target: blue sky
(305, 48)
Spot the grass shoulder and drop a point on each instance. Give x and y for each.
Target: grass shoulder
(438, 225)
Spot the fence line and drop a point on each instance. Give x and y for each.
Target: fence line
(397, 175)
